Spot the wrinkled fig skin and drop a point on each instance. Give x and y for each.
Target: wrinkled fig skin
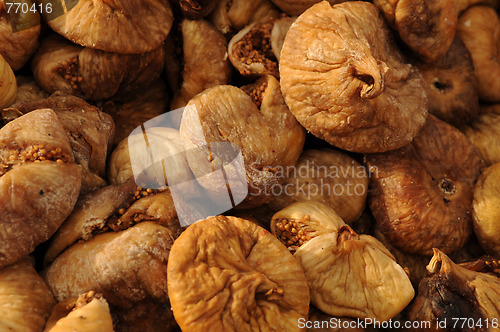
(426, 26)
(455, 292)
(126, 267)
(452, 86)
(196, 9)
(421, 195)
(205, 60)
(29, 90)
(36, 196)
(479, 29)
(119, 26)
(346, 82)
(60, 65)
(25, 299)
(228, 274)
(297, 7)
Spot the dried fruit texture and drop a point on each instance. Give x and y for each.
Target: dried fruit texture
(322, 322)
(205, 60)
(486, 213)
(300, 222)
(25, 299)
(421, 195)
(145, 317)
(479, 29)
(427, 27)
(126, 267)
(136, 27)
(327, 176)
(346, 82)
(60, 65)
(88, 313)
(89, 130)
(28, 90)
(484, 264)
(228, 274)
(452, 86)
(278, 34)
(18, 45)
(196, 9)
(8, 84)
(297, 7)
(484, 133)
(250, 51)
(268, 138)
(462, 5)
(39, 182)
(453, 291)
(353, 275)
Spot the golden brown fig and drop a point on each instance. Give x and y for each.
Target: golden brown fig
(353, 275)
(19, 31)
(421, 195)
(205, 60)
(60, 65)
(39, 182)
(228, 274)
(119, 26)
(346, 82)
(452, 85)
(327, 176)
(486, 210)
(278, 34)
(268, 139)
(426, 26)
(479, 29)
(8, 84)
(462, 5)
(453, 292)
(25, 299)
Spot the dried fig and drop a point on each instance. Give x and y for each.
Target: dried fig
(119, 26)
(346, 82)
(19, 32)
(278, 34)
(427, 27)
(479, 29)
(297, 7)
(25, 299)
(196, 9)
(462, 5)
(453, 292)
(268, 138)
(353, 275)
(327, 176)
(8, 84)
(39, 182)
(484, 264)
(205, 60)
(452, 86)
(421, 195)
(29, 90)
(228, 274)
(60, 65)
(486, 210)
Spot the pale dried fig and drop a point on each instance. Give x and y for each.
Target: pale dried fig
(205, 60)
(242, 271)
(453, 292)
(278, 34)
(268, 138)
(346, 82)
(421, 195)
(119, 26)
(39, 182)
(25, 299)
(452, 85)
(353, 275)
(486, 209)
(479, 29)
(60, 65)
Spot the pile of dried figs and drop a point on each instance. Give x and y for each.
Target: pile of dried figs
(236, 165)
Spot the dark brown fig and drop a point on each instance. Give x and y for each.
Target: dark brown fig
(196, 9)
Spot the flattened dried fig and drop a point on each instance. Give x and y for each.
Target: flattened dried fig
(25, 299)
(119, 26)
(427, 27)
(39, 182)
(486, 213)
(452, 85)
(346, 82)
(205, 60)
(453, 292)
(247, 278)
(268, 138)
(479, 29)
(60, 65)
(421, 195)
(353, 275)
